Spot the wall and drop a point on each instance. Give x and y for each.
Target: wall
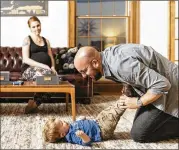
(154, 25)
(54, 26)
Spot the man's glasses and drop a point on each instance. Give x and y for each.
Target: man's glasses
(85, 70)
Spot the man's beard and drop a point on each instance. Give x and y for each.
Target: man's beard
(98, 76)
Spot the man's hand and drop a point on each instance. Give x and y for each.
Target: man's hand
(131, 102)
(128, 102)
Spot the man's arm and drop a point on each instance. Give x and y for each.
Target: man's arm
(131, 102)
(149, 97)
(142, 76)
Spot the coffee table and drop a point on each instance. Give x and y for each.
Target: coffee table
(30, 86)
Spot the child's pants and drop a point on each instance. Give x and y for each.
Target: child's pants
(108, 120)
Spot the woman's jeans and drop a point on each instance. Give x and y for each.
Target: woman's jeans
(151, 125)
(30, 74)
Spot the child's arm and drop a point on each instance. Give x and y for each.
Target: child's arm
(85, 138)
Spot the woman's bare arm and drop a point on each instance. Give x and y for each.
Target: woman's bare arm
(26, 57)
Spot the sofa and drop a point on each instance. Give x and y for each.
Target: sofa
(11, 60)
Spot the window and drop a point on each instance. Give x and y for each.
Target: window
(103, 23)
(173, 31)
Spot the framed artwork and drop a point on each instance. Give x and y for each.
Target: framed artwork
(24, 8)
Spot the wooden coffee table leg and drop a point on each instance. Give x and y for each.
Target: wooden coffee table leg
(73, 103)
(67, 100)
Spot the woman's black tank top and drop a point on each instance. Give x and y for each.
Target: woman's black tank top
(38, 53)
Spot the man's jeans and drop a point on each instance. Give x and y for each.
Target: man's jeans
(151, 124)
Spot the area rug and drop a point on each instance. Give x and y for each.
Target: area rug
(20, 131)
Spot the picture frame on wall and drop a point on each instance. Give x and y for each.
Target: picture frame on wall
(24, 8)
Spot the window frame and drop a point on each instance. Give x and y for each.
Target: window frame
(172, 39)
(133, 29)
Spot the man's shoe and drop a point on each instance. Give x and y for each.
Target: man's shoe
(31, 110)
(31, 107)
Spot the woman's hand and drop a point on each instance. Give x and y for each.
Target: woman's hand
(45, 66)
(54, 71)
(128, 102)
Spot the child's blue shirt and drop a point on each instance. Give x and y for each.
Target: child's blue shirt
(90, 127)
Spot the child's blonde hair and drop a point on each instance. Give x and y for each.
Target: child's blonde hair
(50, 132)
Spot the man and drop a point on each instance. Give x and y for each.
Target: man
(150, 74)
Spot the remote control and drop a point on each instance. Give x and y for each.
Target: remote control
(18, 82)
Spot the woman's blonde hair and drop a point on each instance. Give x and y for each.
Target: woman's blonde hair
(31, 19)
(50, 132)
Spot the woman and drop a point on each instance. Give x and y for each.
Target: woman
(37, 59)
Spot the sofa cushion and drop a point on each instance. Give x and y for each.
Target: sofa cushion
(65, 60)
(11, 59)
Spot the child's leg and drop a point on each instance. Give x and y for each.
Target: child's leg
(108, 120)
